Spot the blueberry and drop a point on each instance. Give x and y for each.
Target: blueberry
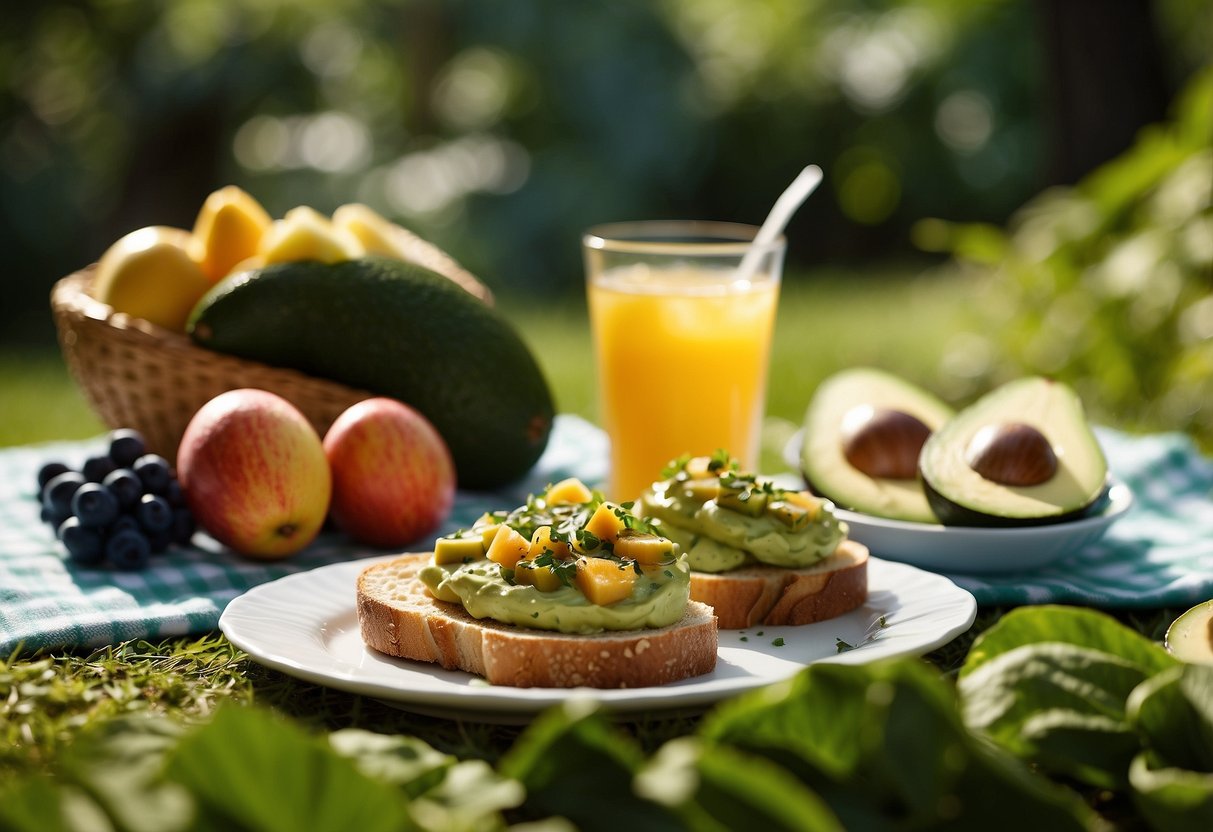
(155, 473)
(126, 445)
(48, 472)
(174, 494)
(126, 486)
(154, 513)
(124, 522)
(184, 526)
(49, 515)
(97, 468)
(85, 545)
(128, 549)
(57, 496)
(95, 505)
(159, 541)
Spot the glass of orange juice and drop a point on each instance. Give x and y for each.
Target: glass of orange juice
(682, 340)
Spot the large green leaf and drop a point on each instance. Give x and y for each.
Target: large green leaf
(716, 788)
(1172, 799)
(1174, 713)
(1067, 625)
(40, 804)
(573, 764)
(884, 746)
(250, 770)
(408, 762)
(1058, 705)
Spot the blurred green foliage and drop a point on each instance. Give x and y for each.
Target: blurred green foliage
(1107, 285)
(501, 130)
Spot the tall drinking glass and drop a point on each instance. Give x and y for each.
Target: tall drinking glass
(681, 341)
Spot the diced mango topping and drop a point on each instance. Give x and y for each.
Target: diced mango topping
(606, 524)
(604, 581)
(487, 533)
(805, 500)
(571, 490)
(643, 547)
(542, 542)
(793, 516)
(543, 578)
(508, 547)
(748, 501)
(462, 549)
(701, 490)
(699, 467)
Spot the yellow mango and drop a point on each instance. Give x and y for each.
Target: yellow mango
(542, 542)
(571, 490)
(605, 524)
(603, 581)
(150, 274)
(508, 547)
(306, 234)
(227, 231)
(464, 549)
(376, 233)
(644, 547)
(806, 500)
(543, 578)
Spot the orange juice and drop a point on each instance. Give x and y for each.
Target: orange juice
(682, 352)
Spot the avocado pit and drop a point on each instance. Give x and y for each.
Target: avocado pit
(1012, 453)
(882, 442)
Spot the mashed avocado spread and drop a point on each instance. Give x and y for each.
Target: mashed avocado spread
(724, 519)
(568, 561)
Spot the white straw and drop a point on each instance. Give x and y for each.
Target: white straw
(777, 220)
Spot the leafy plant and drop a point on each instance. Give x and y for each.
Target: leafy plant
(885, 746)
(1078, 694)
(1108, 285)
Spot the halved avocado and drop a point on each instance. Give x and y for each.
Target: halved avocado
(862, 434)
(1021, 455)
(1190, 637)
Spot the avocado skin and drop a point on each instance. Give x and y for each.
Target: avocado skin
(960, 496)
(397, 330)
(954, 514)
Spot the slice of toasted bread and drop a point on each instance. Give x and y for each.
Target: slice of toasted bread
(399, 617)
(774, 595)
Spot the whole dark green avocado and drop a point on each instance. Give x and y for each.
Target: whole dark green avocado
(398, 330)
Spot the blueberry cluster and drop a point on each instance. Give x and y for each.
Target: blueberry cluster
(122, 507)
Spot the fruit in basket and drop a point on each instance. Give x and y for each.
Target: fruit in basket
(863, 431)
(393, 478)
(228, 231)
(117, 519)
(1023, 454)
(254, 473)
(397, 330)
(306, 234)
(150, 274)
(379, 235)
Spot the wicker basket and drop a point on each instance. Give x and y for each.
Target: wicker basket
(138, 375)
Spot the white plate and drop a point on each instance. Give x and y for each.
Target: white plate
(306, 625)
(973, 550)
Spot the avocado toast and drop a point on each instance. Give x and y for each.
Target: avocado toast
(759, 554)
(568, 590)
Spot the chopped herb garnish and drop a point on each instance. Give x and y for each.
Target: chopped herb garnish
(744, 638)
(843, 646)
(778, 642)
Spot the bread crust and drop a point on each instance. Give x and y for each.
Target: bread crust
(397, 616)
(773, 595)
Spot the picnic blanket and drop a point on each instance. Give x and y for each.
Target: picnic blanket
(1159, 555)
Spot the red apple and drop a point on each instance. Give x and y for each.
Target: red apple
(254, 473)
(393, 478)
